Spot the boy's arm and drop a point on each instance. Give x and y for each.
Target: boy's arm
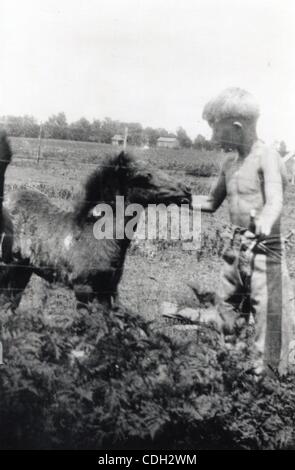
(216, 196)
(273, 188)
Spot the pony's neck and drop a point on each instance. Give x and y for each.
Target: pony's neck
(112, 224)
(124, 229)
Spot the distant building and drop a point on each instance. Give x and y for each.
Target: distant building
(118, 140)
(168, 142)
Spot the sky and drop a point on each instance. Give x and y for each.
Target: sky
(156, 62)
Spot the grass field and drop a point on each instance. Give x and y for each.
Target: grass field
(154, 272)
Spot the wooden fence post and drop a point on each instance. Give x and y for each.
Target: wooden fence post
(125, 139)
(40, 143)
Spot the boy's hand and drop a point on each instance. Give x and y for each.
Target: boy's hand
(203, 203)
(263, 227)
(196, 202)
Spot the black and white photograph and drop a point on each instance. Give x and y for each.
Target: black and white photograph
(147, 228)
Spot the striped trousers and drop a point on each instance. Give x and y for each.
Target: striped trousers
(255, 275)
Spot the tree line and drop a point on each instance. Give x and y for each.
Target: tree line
(57, 127)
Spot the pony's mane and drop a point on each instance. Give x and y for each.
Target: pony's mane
(98, 186)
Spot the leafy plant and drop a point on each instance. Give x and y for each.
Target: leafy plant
(107, 380)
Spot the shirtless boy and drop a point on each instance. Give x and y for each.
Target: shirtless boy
(252, 179)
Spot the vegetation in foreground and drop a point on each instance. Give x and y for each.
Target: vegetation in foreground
(108, 380)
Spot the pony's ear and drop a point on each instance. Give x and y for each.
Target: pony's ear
(121, 162)
(124, 163)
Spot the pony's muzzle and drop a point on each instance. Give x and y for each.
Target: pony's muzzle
(187, 198)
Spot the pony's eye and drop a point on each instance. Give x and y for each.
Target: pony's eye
(142, 180)
(97, 213)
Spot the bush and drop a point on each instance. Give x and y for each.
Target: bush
(107, 380)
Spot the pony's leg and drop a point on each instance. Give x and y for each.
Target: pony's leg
(14, 278)
(105, 301)
(116, 300)
(86, 295)
(4, 289)
(83, 298)
(83, 294)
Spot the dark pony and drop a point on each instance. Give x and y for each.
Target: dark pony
(60, 246)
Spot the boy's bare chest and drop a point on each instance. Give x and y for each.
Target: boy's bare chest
(243, 176)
